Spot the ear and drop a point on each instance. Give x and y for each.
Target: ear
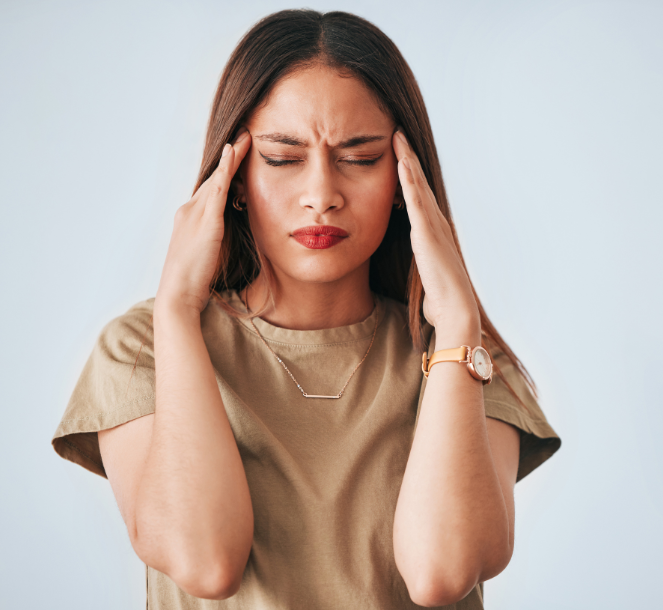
(237, 187)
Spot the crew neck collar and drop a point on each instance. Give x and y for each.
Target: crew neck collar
(340, 334)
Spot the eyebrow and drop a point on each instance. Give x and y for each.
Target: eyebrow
(282, 138)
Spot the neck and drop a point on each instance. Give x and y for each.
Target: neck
(313, 305)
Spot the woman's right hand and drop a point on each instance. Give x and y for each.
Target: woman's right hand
(193, 252)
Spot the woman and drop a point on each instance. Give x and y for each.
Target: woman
(264, 422)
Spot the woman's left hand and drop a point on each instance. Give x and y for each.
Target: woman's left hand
(448, 299)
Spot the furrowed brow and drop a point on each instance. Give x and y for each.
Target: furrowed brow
(281, 138)
(358, 141)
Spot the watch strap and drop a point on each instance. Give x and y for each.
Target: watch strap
(455, 354)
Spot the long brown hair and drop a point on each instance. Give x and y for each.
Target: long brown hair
(278, 45)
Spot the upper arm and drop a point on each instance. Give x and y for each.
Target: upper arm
(124, 450)
(504, 440)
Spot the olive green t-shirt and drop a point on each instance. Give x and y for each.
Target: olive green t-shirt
(324, 475)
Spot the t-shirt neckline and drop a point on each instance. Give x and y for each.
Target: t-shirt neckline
(340, 334)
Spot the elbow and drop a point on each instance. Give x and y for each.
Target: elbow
(433, 590)
(211, 577)
(433, 584)
(214, 580)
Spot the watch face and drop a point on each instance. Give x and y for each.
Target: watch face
(481, 362)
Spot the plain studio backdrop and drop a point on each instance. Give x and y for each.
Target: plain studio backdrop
(548, 122)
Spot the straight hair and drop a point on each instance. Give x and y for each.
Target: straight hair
(277, 46)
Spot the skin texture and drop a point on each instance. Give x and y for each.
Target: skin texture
(324, 183)
(177, 475)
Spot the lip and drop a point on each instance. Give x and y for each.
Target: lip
(318, 237)
(321, 230)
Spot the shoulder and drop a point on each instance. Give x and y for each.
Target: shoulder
(510, 399)
(116, 385)
(133, 319)
(128, 330)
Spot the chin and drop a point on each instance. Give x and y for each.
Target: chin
(318, 271)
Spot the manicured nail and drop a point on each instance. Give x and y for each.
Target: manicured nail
(406, 162)
(401, 135)
(226, 150)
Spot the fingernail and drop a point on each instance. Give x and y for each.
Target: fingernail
(226, 150)
(406, 162)
(401, 135)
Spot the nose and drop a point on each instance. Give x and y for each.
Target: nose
(319, 188)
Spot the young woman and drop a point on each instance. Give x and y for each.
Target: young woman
(265, 422)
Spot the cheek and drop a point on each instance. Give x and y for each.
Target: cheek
(381, 187)
(268, 194)
(373, 200)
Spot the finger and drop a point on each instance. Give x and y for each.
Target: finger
(214, 179)
(231, 158)
(428, 200)
(436, 219)
(219, 183)
(404, 151)
(241, 147)
(418, 173)
(400, 144)
(413, 194)
(414, 198)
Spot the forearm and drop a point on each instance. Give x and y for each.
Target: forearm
(451, 526)
(193, 510)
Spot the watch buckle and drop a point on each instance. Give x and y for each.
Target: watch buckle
(468, 355)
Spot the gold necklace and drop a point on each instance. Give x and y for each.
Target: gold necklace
(287, 370)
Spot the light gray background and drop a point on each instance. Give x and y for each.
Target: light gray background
(548, 121)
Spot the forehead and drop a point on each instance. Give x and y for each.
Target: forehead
(322, 104)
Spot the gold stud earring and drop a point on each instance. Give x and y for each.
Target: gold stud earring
(399, 202)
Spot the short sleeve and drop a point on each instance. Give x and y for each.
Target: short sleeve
(538, 440)
(110, 390)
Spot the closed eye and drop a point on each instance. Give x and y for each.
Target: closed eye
(362, 161)
(280, 162)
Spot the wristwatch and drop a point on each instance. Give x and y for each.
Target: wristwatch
(478, 361)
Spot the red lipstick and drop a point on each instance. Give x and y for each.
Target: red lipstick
(318, 237)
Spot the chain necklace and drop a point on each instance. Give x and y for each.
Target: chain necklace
(301, 389)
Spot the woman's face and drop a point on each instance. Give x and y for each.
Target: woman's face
(321, 154)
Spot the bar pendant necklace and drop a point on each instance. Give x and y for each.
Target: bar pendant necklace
(301, 389)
